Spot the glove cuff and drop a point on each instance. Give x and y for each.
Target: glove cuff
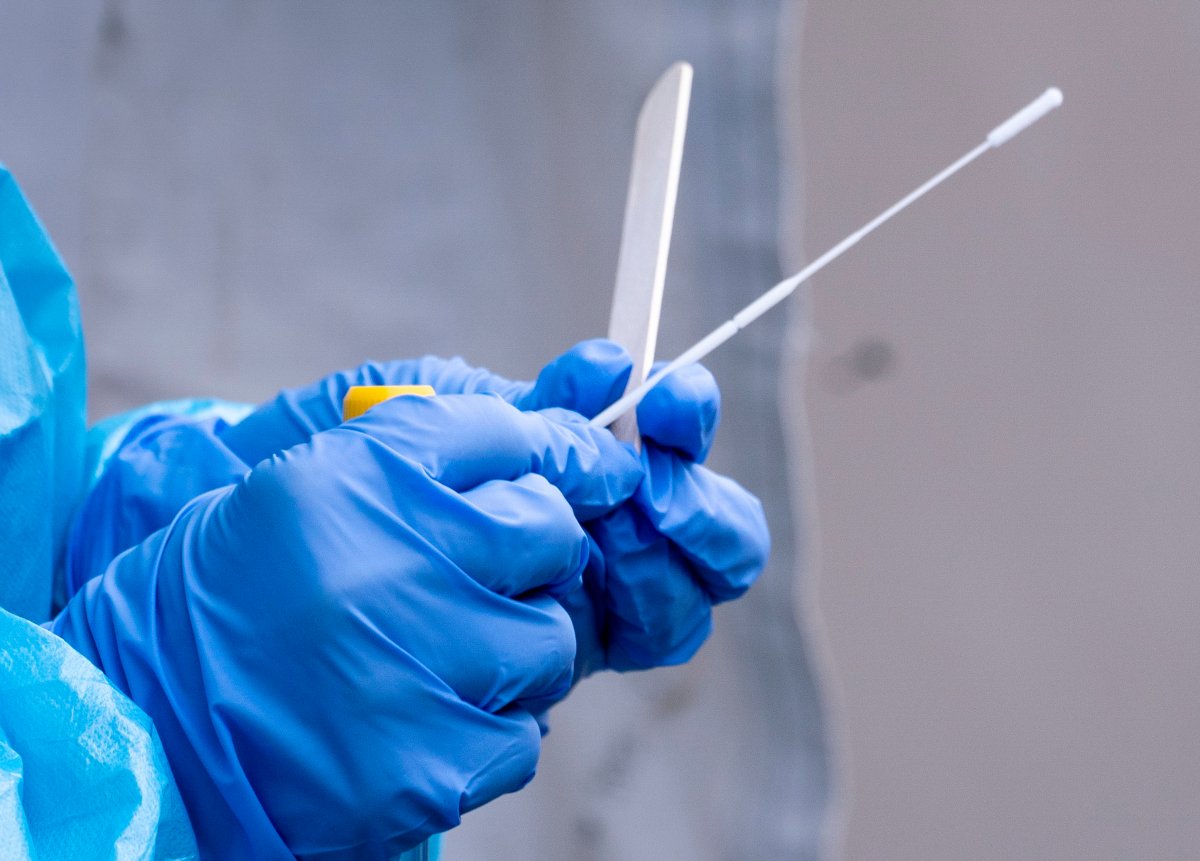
(147, 466)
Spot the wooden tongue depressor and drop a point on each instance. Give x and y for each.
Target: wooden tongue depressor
(646, 234)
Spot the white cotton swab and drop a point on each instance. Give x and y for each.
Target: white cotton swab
(1002, 133)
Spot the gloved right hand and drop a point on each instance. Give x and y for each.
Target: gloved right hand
(585, 379)
(338, 650)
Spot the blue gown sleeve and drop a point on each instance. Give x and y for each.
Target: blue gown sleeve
(82, 772)
(142, 467)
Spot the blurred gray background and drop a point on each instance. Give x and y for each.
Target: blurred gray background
(253, 194)
(1006, 424)
(991, 399)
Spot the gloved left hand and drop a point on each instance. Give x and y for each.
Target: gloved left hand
(167, 458)
(340, 651)
(585, 379)
(689, 539)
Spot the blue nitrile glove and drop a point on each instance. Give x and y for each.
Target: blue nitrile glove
(687, 540)
(337, 649)
(585, 379)
(171, 454)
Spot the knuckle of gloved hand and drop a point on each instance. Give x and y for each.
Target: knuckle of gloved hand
(734, 568)
(510, 766)
(301, 502)
(489, 414)
(683, 411)
(565, 540)
(664, 646)
(535, 532)
(593, 468)
(527, 655)
(333, 469)
(586, 378)
(556, 645)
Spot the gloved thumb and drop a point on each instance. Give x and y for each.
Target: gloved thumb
(682, 412)
(585, 379)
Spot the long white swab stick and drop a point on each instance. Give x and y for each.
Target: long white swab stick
(1007, 130)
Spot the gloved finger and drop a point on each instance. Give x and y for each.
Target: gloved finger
(507, 651)
(507, 768)
(503, 649)
(682, 412)
(294, 415)
(444, 755)
(464, 440)
(657, 614)
(450, 377)
(585, 606)
(508, 537)
(517, 536)
(585, 379)
(408, 582)
(715, 523)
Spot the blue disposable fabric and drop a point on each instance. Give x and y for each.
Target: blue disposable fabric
(144, 466)
(82, 774)
(41, 405)
(343, 650)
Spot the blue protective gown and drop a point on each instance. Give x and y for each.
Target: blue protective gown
(82, 773)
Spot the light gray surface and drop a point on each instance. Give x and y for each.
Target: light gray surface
(265, 191)
(1005, 419)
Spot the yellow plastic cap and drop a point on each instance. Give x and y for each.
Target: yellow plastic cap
(359, 399)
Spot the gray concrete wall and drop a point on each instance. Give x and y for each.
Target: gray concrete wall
(1003, 396)
(255, 192)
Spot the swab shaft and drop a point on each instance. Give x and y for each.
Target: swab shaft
(1021, 120)
(776, 294)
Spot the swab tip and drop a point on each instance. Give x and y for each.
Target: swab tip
(1027, 116)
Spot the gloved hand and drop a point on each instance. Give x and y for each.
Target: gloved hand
(339, 650)
(689, 538)
(585, 379)
(166, 458)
